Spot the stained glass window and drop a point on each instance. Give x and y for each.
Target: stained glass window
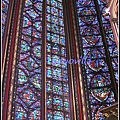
(57, 78)
(5, 5)
(28, 87)
(97, 71)
(58, 84)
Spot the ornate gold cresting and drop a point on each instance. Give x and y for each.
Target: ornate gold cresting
(111, 110)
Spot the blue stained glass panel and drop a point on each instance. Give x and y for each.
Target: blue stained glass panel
(54, 3)
(54, 11)
(49, 101)
(22, 78)
(49, 86)
(66, 105)
(48, 47)
(56, 61)
(35, 115)
(58, 102)
(57, 88)
(48, 36)
(49, 59)
(49, 114)
(20, 113)
(62, 40)
(55, 49)
(38, 6)
(58, 115)
(48, 9)
(49, 72)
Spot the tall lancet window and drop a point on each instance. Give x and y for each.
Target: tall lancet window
(41, 27)
(99, 47)
(57, 87)
(27, 102)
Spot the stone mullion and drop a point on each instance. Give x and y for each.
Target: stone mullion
(13, 82)
(43, 101)
(9, 64)
(70, 71)
(6, 48)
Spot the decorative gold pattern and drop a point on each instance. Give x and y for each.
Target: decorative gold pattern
(111, 110)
